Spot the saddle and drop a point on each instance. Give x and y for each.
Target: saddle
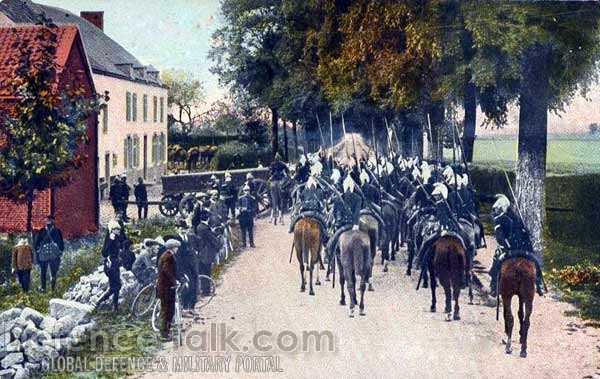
(504, 255)
(315, 215)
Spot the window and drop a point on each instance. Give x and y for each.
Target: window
(134, 107)
(135, 152)
(145, 107)
(162, 109)
(155, 109)
(163, 146)
(154, 148)
(105, 119)
(128, 106)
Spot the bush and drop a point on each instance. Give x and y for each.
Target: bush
(234, 155)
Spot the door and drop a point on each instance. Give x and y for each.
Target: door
(145, 155)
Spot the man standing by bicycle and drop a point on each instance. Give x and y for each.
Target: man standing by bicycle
(165, 285)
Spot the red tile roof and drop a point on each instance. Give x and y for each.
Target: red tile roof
(9, 36)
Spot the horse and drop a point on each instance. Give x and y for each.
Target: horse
(392, 232)
(277, 201)
(370, 226)
(307, 242)
(448, 266)
(354, 259)
(517, 278)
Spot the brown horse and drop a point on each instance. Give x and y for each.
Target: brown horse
(307, 242)
(517, 277)
(448, 265)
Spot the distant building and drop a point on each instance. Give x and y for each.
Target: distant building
(75, 206)
(132, 132)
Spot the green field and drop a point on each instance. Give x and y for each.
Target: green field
(565, 156)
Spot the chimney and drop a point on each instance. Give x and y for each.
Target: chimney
(96, 18)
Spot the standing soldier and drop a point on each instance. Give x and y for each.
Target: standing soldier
(248, 208)
(229, 194)
(141, 198)
(125, 192)
(208, 248)
(22, 262)
(165, 285)
(49, 247)
(115, 195)
(112, 264)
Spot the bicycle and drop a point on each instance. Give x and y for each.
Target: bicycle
(177, 322)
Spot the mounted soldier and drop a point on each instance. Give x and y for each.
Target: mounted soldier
(302, 170)
(513, 241)
(346, 213)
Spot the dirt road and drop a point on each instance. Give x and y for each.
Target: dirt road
(398, 337)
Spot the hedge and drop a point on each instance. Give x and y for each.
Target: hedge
(235, 155)
(576, 192)
(195, 140)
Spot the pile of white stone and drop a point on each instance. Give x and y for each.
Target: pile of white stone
(28, 338)
(91, 287)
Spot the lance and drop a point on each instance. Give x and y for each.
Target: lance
(431, 137)
(354, 148)
(376, 149)
(389, 137)
(320, 130)
(331, 139)
(344, 129)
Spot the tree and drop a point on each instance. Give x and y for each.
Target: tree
(539, 55)
(185, 94)
(44, 131)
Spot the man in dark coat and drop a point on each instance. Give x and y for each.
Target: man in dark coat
(124, 192)
(165, 285)
(248, 208)
(208, 247)
(115, 195)
(49, 247)
(112, 264)
(187, 259)
(141, 199)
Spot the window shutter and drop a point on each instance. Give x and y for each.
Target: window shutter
(145, 107)
(128, 106)
(134, 107)
(125, 148)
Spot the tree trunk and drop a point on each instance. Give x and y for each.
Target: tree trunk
(29, 199)
(285, 142)
(274, 131)
(295, 132)
(533, 133)
(469, 124)
(437, 123)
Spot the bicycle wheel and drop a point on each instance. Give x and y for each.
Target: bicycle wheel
(156, 317)
(143, 302)
(207, 288)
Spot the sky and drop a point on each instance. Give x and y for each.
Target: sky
(168, 34)
(176, 34)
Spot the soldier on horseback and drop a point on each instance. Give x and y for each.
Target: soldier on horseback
(346, 213)
(513, 241)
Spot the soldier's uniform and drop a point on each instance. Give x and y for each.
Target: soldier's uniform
(229, 194)
(513, 240)
(248, 208)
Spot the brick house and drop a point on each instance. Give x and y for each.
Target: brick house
(75, 206)
(132, 135)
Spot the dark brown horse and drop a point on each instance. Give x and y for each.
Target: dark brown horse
(307, 242)
(517, 278)
(448, 266)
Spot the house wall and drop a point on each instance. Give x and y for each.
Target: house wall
(76, 206)
(112, 140)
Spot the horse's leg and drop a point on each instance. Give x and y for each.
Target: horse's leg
(311, 291)
(433, 285)
(470, 280)
(456, 287)
(521, 315)
(351, 283)
(342, 280)
(525, 326)
(508, 322)
(303, 282)
(361, 306)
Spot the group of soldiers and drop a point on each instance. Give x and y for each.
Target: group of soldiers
(430, 200)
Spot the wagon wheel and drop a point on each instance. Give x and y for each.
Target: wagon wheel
(263, 198)
(186, 205)
(169, 205)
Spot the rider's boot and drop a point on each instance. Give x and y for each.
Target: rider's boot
(539, 287)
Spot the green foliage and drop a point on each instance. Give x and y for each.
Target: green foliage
(46, 128)
(185, 95)
(239, 155)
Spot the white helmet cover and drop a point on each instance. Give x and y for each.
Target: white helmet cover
(336, 175)
(426, 173)
(465, 180)
(311, 182)
(302, 160)
(416, 173)
(502, 204)
(348, 184)
(440, 189)
(448, 173)
(316, 169)
(364, 177)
